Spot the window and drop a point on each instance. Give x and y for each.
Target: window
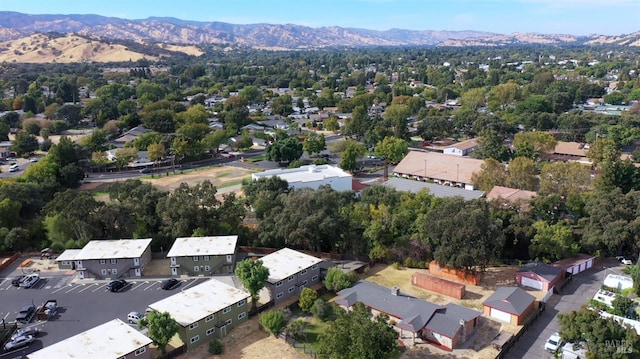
(228, 321)
(242, 315)
(205, 258)
(304, 283)
(194, 339)
(207, 268)
(315, 266)
(114, 271)
(302, 272)
(211, 331)
(229, 258)
(193, 326)
(195, 258)
(226, 310)
(292, 289)
(279, 284)
(290, 278)
(140, 351)
(314, 278)
(242, 302)
(208, 318)
(114, 261)
(102, 261)
(196, 268)
(279, 295)
(104, 271)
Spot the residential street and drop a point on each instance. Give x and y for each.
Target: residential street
(577, 293)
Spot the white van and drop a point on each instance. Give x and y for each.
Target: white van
(14, 168)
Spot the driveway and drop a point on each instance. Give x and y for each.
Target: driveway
(577, 293)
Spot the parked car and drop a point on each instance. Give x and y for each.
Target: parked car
(33, 159)
(134, 317)
(169, 283)
(14, 168)
(146, 170)
(25, 314)
(624, 260)
(33, 331)
(553, 343)
(30, 280)
(19, 342)
(17, 280)
(117, 285)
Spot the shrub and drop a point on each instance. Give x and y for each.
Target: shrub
(308, 296)
(338, 280)
(321, 309)
(273, 321)
(414, 263)
(396, 265)
(216, 347)
(296, 164)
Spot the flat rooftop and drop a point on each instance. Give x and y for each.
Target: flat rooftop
(68, 255)
(199, 246)
(310, 173)
(196, 303)
(114, 248)
(287, 262)
(113, 339)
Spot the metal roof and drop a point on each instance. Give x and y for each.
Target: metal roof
(415, 186)
(203, 246)
(512, 300)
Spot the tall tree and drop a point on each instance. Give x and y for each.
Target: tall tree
(492, 173)
(553, 242)
(349, 157)
(253, 276)
(161, 328)
(391, 150)
(287, 150)
(564, 178)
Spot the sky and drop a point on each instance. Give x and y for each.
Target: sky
(575, 17)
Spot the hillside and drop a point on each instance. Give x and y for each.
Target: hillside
(66, 48)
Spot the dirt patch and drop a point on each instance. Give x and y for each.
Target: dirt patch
(218, 176)
(247, 342)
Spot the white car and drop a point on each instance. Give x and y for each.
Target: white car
(134, 317)
(553, 343)
(30, 280)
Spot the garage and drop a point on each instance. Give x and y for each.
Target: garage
(500, 315)
(531, 283)
(577, 264)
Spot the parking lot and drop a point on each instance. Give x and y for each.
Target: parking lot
(82, 304)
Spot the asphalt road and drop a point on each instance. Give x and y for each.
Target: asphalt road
(82, 305)
(577, 293)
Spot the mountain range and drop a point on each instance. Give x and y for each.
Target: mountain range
(170, 30)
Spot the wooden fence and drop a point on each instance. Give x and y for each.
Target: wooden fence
(511, 343)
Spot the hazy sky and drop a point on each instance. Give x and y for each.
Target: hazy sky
(577, 17)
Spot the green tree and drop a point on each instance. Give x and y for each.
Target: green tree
(564, 178)
(263, 194)
(24, 143)
(307, 297)
(464, 234)
(522, 174)
(473, 98)
(314, 143)
(161, 328)
(586, 326)
(321, 309)
(253, 276)
(350, 155)
(624, 306)
(397, 114)
(492, 173)
(337, 280)
(355, 335)
(287, 150)
(541, 142)
(391, 150)
(634, 272)
(491, 145)
(618, 174)
(331, 124)
(553, 242)
(273, 321)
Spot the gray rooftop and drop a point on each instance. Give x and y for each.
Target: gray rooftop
(414, 186)
(512, 300)
(545, 271)
(414, 313)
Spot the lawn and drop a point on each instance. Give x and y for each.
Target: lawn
(313, 330)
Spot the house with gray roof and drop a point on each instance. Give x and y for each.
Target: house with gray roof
(445, 326)
(540, 276)
(509, 304)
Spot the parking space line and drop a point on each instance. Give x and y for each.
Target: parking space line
(59, 289)
(99, 287)
(5, 317)
(86, 287)
(139, 285)
(187, 286)
(152, 284)
(72, 288)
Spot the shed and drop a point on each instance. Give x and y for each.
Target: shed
(539, 276)
(577, 264)
(438, 285)
(509, 304)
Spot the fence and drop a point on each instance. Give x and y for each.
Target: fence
(534, 316)
(9, 260)
(174, 353)
(306, 348)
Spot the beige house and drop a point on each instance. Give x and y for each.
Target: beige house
(448, 170)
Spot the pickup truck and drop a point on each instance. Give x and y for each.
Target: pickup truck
(48, 309)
